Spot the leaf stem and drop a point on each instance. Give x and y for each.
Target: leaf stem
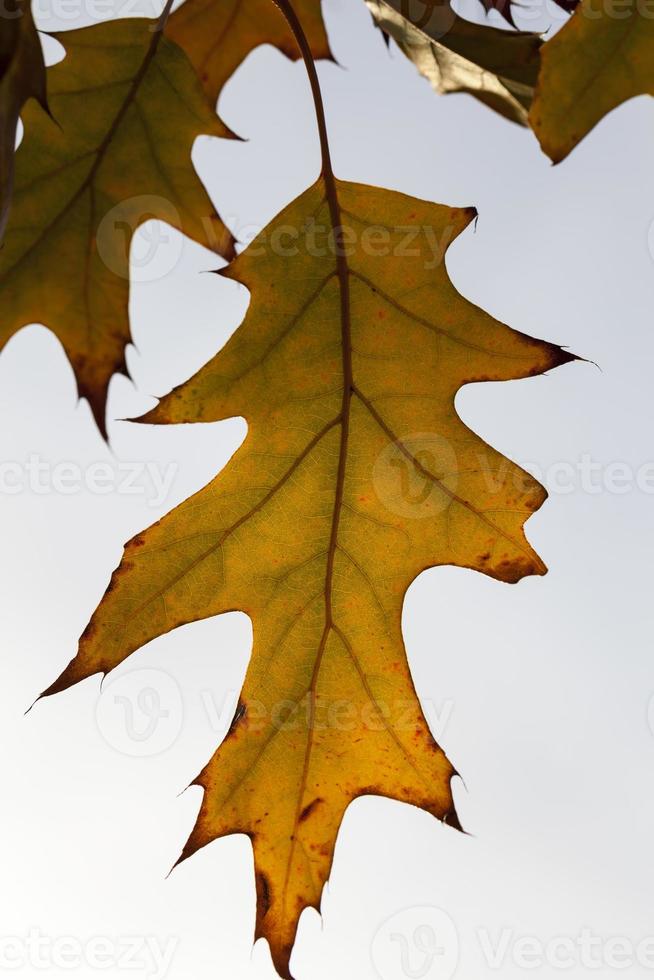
(293, 21)
(163, 16)
(331, 191)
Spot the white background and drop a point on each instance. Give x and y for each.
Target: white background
(542, 689)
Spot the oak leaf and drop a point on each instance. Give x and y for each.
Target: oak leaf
(356, 475)
(500, 68)
(599, 59)
(128, 107)
(217, 37)
(22, 77)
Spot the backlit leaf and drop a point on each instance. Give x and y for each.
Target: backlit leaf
(603, 56)
(128, 107)
(22, 77)
(497, 67)
(356, 475)
(218, 36)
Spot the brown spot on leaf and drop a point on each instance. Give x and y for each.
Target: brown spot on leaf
(263, 893)
(309, 808)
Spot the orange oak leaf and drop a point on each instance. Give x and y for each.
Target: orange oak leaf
(217, 37)
(356, 475)
(600, 58)
(128, 108)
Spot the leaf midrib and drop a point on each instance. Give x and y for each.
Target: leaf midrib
(343, 273)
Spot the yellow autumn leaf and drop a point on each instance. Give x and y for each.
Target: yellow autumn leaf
(497, 67)
(356, 475)
(600, 58)
(126, 107)
(22, 77)
(218, 36)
